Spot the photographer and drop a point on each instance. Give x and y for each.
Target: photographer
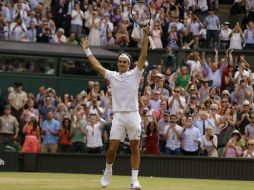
(209, 143)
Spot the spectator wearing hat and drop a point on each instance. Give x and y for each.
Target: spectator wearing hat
(232, 148)
(243, 117)
(9, 127)
(59, 37)
(50, 132)
(172, 134)
(17, 99)
(209, 142)
(225, 36)
(191, 138)
(31, 130)
(77, 17)
(163, 122)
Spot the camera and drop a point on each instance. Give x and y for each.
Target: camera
(211, 138)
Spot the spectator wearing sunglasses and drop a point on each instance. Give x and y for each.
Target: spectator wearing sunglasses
(249, 130)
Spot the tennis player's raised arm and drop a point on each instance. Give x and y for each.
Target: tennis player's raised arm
(93, 61)
(143, 52)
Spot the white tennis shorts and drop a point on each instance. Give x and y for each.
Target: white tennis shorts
(126, 123)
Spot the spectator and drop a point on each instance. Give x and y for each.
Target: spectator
(183, 77)
(18, 29)
(32, 32)
(249, 129)
(65, 136)
(156, 35)
(50, 132)
(106, 27)
(236, 37)
(72, 39)
(225, 36)
(152, 137)
(48, 105)
(78, 133)
(249, 153)
(32, 135)
(17, 99)
(77, 17)
(232, 148)
(9, 127)
(243, 117)
(173, 37)
(44, 32)
(209, 142)
(176, 101)
(203, 121)
(172, 134)
(94, 36)
(249, 35)
(191, 138)
(59, 37)
(212, 24)
(163, 122)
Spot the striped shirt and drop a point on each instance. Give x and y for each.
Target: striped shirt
(212, 22)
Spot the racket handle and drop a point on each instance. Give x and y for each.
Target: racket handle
(151, 42)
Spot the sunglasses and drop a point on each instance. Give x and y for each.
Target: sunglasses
(250, 144)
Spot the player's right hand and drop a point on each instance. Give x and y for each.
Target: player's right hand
(84, 42)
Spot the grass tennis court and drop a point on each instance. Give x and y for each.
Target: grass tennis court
(60, 181)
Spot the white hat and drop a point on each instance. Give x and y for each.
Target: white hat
(246, 103)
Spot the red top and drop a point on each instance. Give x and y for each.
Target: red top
(152, 145)
(64, 137)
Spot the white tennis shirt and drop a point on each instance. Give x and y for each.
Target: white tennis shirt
(124, 89)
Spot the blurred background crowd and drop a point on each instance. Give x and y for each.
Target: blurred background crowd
(202, 106)
(175, 23)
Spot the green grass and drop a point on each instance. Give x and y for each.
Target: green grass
(59, 181)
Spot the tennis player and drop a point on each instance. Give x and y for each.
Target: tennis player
(124, 85)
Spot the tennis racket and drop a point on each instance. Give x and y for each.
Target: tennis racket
(141, 14)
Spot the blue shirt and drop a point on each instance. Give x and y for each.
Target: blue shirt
(199, 124)
(49, 138)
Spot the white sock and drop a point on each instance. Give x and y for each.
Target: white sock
(109, 167)
(134, 174)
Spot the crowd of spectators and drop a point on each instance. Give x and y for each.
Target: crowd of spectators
(175, 23)
(203, 106)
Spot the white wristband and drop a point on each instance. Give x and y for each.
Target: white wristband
(88, 52)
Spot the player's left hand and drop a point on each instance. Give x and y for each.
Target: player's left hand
(84, 42)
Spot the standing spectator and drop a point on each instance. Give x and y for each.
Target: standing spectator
(46, 106)
(202, 122)
(173, 37)
(77, 17)
(176, 101)
(50, 132)
(156, 35)
(32, 136)
(18, 30)
(236, 37)
(242, 92)
(225, 36)
(172, 134)
(17, 100)
(209, 142)
(2, 27)
(191, 138)
(94, 36)
(93, 133)
(193, 60)
(212, 24)
(65, 136)
(163, 122)
(106, 27)
(31, 108)
(213, 73)
(9, 127)
(152, 137)
(183, 77)
(31, 18)
(249, 35)
(78, 133)
(59, 37)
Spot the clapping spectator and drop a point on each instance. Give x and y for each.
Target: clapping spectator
(249, 153)
(65, 136)
(233, 148)
(236, 37)
(59, 37)
(249, 35)
(18, 30)
(32, 135)
(44, 33)
(156, 35)
(50, 132)
(77, 17)
(209, 142)
(32, 32)
(225, 36)
(249, 129)
(94, 36)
